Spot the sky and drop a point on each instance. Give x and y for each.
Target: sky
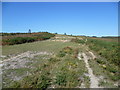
(76, 18)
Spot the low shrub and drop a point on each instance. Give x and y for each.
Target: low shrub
(112, 69)
(100, 61)
(15, 84)
(68, 50)
(43, 81)
(61, 79)
(106, 50)
(76, 51)
(61, 54)
(78, 40)
(53, 60)
(64, 51)
(14, 38)
(19, 40)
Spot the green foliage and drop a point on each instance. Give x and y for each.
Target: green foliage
(78, 40)
(76, 51)
(100, 61)
(61, 79)
(52, 60)
(68, 50)
(25, 38)
(69, 71)
(56, 71)
(43, 81)
(106, 84)
(39, 79)
(61, 54)
(19, 40)
(112, 68)
(10, 34)
(87, 81)
(64, 51)
(108, 50)
(15, 84)
(115, 77)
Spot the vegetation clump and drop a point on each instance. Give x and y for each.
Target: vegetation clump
(106, 50)
(77, 40)
(61, 79)
(110, 51)
(19, 38)
(65, 51)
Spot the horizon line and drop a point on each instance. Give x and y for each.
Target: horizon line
(69, 34)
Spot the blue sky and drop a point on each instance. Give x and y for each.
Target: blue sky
(77, 18)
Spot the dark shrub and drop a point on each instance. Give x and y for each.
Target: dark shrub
(19, 40)
(61, 54)
(100, 61)
(78, 41)
(61, 78)
(14, 38)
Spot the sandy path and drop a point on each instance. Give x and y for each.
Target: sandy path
(93, 79)
(93, 56)
(79, 56)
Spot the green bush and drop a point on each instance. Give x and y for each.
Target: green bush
(110, 51)
(20, 40)
(105, 49)
(43, 81)
(115, 77)
(67, 50)
(14, 39)
(37, 80)
(64, 51)
(61, 79)
(15, 84)
(53, 60)
(61, 54)
(78, 41)
(100, 61)
(112, 68)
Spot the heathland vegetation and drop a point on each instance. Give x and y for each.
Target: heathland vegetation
(110, 51)
(107, 49)
(58, 61)
(19, 38)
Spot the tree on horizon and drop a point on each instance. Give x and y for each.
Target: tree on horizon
(65, 34)
(29, 31)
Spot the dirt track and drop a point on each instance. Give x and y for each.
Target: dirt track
(93, 78)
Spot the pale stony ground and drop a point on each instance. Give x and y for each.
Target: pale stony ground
(93, 78)
(20, 60)
(93, 56)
